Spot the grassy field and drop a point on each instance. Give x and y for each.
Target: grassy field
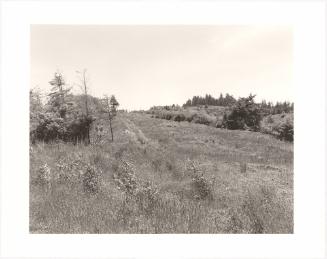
(162, 176)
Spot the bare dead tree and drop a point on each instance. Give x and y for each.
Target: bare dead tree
(84, 87)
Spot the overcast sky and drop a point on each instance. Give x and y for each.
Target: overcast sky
(161, 65)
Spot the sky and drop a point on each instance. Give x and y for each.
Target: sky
(147, 65)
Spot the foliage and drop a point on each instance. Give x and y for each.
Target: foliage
(35, 102)
(286, 131)
(228, 100)
(279, 125)
(278, 108)
(59, 97)
(51, 127)
(245, 114)
(61, 118)
(147, 195)
(78, 128)
(201, 185)
(125, 178)
(179, 117)
(91, 180)
(44, 175)
(199, 117)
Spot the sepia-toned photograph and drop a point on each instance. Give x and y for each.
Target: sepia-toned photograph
(161, 129)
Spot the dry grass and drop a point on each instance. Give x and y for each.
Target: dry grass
(163, 176)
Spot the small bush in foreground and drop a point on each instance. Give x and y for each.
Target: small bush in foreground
(44, 175)
(91, 180)
(201, 185)
(125, 177)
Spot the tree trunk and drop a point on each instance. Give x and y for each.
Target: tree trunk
(110, 119)
(112, 134)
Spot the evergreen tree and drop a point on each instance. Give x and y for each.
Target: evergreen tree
(58, 102)
(244, 115)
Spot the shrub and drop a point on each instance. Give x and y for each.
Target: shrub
(202, 118)
(286, 131)
(91, 180)
(147, 196)
(201, 185)
(219, 123)
(125, 178)
(279, 125)
(270, 119)
(51, 127)
(179, 117)
(44, 175)
(189, 117)
(78, 128)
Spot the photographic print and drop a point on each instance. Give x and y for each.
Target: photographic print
(153, 129)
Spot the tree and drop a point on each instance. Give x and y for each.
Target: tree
(245, 114)
(58, 102)
(62, 119)
(228, 100)
(111, 108)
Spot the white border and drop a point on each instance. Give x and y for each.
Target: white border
(308, 21)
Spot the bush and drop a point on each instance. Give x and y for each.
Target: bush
(51, 127)
(78, 128)
(125, 178)
(260, 211)
(44, 175)
(286, 131)
(279, 125)
(189, 117)
(201, 185)
(91, 180)
(147, 196)
(202, 118)
(179, 117)
(167, 115)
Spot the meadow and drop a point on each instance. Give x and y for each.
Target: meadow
(162, 176)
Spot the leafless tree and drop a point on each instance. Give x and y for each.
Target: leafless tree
(84, 87)
(84, 81)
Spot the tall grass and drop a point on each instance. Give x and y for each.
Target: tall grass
(183, 184)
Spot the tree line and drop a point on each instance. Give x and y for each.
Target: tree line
(229, 101)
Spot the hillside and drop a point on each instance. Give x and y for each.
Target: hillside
(162, 176)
